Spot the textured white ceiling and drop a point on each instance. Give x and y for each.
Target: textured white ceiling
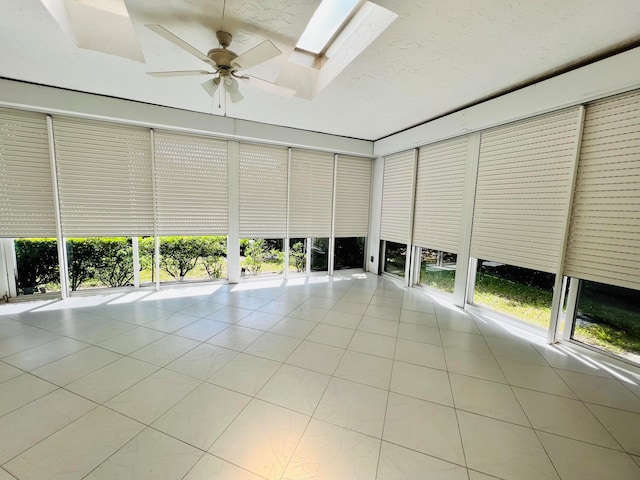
(435, 58)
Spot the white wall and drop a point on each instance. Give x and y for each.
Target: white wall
(64, 102)
(613, 75)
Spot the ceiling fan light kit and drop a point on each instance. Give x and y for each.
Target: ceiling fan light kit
(226, 64)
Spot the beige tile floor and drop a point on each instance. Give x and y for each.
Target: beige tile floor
(346, 378)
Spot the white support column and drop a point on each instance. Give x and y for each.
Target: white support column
(416, 259)
(332, 238)
(572, 305)
(307, 266)
(233, 240)
(556, 304)
(136, 261)
(408, 266)
(372, 260)
(62, 247)
(286, 240)
(470, 280)
(156, 239)
(8, 268)
(465, 267)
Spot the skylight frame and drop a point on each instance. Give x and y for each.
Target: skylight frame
(327, 21)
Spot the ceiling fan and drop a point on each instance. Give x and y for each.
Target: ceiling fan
(226, 64)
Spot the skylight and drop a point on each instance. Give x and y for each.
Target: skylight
(325, 23)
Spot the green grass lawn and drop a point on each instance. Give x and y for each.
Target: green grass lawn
(617, 328)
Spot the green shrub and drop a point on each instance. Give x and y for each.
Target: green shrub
(255, 254)
(82, 257)
(298, 257)
(37, 260)
(213, 253)
(113, 261)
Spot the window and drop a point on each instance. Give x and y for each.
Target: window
(319, 254)
(519, 292)
(184, 258)
(395, 258)
(608, 318)
(37, 265)
(260, 256)
(328, 18)
(298, 255)
(98, 262)
(349, 253)
(438, 269)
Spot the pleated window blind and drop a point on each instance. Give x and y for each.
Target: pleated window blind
(604, 233)
(397, 192)
(524, 177)
(26, 192)
(192, 196)
(310, 193)
(440, 194)
(353, 187)
(263, 191)
(104, 177)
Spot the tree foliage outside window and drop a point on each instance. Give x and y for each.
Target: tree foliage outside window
(298, 257)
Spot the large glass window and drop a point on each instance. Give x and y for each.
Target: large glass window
(37, 265)
(438, 269)
(99, 262)
(298, 255)
(349, 253)
(519, 292)
(184, 258)
(319, 254)
(261, 256)
(608, 318)
(395, 258)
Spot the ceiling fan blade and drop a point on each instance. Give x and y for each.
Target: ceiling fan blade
(211, 86)
(270, 86)
(179, 73)
(258, 54)
(163, 32)
(231, 86)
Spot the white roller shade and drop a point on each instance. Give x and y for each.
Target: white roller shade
(440, 194)
(310, 194)
(353, 188)
(26, 192)
(104, 177)
(192, 192)
(604, 234)
(397, 193)
(263, 191)
(525, 173)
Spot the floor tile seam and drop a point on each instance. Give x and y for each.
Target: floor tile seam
(167, 366)
(589, 402)
(620, 448)
(155, 341)
(28, 325)
(158, 416)
(383, 440)
(57, 387)
(535, 432)
(386, 407)
(485, 473)
(65, 387)
(53, 433)
(615, 437)
(17, 368)
(82, 376)
(455, 410)
(35, 346)
(115, 452)
(418, 365)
